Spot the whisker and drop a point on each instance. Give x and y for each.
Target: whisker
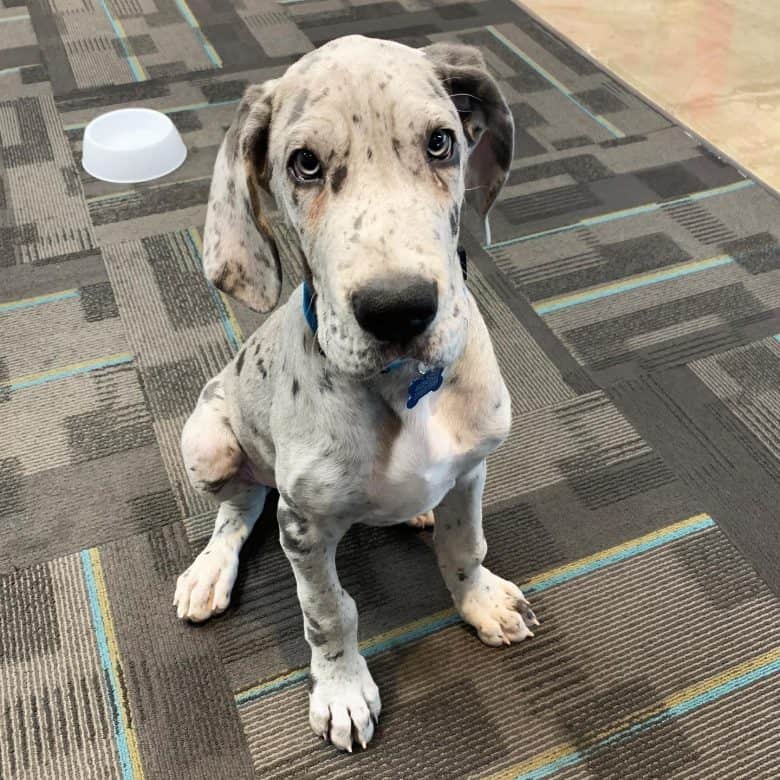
(466, 94)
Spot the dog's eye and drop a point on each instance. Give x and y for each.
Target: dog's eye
(441, 144)
(305, 166)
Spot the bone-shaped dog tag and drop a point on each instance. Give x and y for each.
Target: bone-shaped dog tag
(429, 382)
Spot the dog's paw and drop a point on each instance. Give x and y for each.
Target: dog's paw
(204, 589)
(425, 520)
(497, 609)
(344, 703)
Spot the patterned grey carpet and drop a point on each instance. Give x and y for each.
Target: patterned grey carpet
(633, 293)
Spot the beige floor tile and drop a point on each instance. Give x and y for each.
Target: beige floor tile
(713, 64)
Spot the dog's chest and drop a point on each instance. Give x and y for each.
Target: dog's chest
(418, 464)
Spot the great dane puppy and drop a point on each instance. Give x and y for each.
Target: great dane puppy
(357, 159)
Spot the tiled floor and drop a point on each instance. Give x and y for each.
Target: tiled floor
(713, 64)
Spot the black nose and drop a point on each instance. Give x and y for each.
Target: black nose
(396, 310)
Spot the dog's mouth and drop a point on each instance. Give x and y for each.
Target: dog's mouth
(391, 354)
(388, 359)
(356, 353)
(427, 351)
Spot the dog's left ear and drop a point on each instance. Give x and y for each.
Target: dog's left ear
(240, 255)
(487, 120)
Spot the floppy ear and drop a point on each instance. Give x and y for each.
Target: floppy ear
(240, 256)
(486, 118)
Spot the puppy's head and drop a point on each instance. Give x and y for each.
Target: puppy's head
(362, 152)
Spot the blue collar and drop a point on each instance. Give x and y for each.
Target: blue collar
(427, 382)
(309, 310)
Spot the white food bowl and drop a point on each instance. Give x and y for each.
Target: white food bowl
(132, 145)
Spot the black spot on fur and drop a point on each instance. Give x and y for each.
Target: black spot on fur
(261, 367)
(295, 387)
(298, 107)
(214, 486)
(293, 543)
(248, 209)
(369, 153)
(320, 96)
(337, 178)
(454, 220)
(299, 525)
(334, 656)
(461, 575)
(240, 361)
(397, 147)
(317, 638)
(356, 119)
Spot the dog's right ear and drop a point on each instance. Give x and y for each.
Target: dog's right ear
(240, 256)
(485, 116)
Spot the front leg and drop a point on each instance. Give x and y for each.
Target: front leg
(204, 588)
(343, 699)
(494, 606)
